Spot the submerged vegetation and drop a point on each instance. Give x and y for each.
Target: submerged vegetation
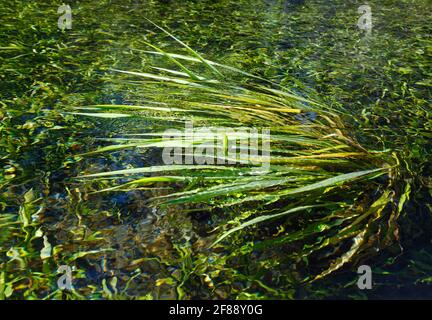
(84, 115)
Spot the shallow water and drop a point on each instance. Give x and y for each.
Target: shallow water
(310, 46)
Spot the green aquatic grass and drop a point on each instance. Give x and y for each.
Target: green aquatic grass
(379, 89)
(338, 190)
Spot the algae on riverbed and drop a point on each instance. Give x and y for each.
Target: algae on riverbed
(116, 244)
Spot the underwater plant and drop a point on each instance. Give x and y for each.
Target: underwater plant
(325, 198)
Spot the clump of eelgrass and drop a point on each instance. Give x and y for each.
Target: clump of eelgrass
(331, 197)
